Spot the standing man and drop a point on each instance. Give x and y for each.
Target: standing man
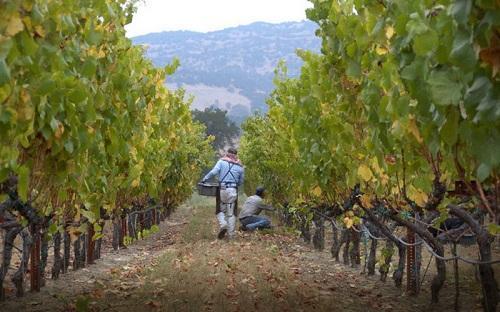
(230, 173)
(249, 216)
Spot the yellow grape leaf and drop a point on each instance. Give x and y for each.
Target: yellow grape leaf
(27, 6)
(421, 198)
(418, 196)
(92, 51)
(135, 183)
(26, 110)
(40, 31)
(396, 128)
(375, 166)
(365, 173)
(27, 22)
(348, 222)
(389, 32)
(412, 127)
(395, 190)
(59, 131)
(316, 191)
(15, 26)
(381, 50)
(366, 201)
(384, 179)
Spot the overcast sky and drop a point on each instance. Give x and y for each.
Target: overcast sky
(209, 15)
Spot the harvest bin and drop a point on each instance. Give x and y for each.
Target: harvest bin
(207, 189)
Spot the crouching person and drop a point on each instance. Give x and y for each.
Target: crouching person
(249, 216)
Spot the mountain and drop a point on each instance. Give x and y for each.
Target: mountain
(232, 68)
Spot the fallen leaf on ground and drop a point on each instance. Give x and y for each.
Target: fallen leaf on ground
(153, 304)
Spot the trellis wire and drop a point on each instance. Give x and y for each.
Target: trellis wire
(474, 262)
(420, 241)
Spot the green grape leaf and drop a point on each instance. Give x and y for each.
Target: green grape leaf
(483, 172)
(425, 43)
(460, 10)
(23, 182)
(494, 229)
(53, 228)
(97, 227)
(28, 44)
(444, 90)
(170, 69)
(93, 37)
(78, 95)
(68, 146)
(462, 53)
(4, 72)
(353, 69)
(5, 46)
(449, 131)
(89, 215)
(89, 68)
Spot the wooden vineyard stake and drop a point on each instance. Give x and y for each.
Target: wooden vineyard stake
(411, 267)
(35, 261)
(457, 283)
(90, 245)
(123, 231)
(141, 221)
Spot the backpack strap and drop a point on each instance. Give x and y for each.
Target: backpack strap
(231, 164)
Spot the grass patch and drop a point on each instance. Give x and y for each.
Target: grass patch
(200, 225)
(223, 276)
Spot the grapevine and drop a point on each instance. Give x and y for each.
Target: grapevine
(400, 106)
(89, 131)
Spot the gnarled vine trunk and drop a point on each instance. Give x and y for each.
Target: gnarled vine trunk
(67, 251)
(486, 273)
(347, 243)
(387, 253)
(8, 244)
(319, 233)
(58, 261)
(354, 252)
(387, 232)
(44, 253)
(305, 229)
(18, 277)
(372, 257)
(335, 243)
(116, 233)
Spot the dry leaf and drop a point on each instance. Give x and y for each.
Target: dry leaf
(153, 304)
(15, 26)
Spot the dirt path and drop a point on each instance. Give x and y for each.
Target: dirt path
(184, 268)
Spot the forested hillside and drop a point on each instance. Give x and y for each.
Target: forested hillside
(232, 68)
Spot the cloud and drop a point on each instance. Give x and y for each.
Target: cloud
(205, 16)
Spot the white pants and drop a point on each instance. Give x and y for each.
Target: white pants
(226, 216)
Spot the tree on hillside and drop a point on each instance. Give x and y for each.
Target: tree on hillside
(219, 125)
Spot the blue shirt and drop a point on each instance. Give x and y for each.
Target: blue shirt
(221, 169)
